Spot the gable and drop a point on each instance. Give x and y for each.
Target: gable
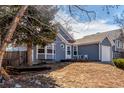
(65, 34)
(106, 42)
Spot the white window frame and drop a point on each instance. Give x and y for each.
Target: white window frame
(45, 51)
(68, 56)
(76, 50)
(119, 44)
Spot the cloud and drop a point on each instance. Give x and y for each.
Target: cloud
(82, 29)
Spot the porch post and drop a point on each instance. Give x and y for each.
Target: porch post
(53, 51)
(36, 51)
(45, 52)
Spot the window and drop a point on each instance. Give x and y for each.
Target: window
(75, 51)
(68, 50)
(49, 50)
(41, 50)
(62, 45)
(119, 44)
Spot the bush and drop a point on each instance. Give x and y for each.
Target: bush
(119, 62)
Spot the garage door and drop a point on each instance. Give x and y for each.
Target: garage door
(106, 53)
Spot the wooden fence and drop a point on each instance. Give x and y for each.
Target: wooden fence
(15, 58)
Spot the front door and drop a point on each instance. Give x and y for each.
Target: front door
(68, 51)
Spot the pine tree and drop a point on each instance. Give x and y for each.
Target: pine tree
(34, 28)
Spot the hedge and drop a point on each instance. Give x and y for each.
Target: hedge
(119, 62)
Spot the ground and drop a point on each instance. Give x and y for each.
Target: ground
(76, 75)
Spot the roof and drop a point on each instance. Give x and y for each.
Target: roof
(71, 39)
(91, 39)
(115, 34)
(96, 38)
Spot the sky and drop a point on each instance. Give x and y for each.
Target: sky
(78, 23)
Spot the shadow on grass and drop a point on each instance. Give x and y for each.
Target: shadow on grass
(30, 80)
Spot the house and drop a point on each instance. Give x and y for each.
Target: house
(95, 47)
(100, 47)
(60, 49)
(118, 38)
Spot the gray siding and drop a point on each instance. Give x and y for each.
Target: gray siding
(50, 57)
(117, 54)
(59, 51)
(106, 42)
(91, 50)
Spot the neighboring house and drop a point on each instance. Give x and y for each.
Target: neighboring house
(95, 47)
(118, 38)
(100, 47)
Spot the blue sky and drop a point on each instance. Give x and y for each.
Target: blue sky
(102, 22)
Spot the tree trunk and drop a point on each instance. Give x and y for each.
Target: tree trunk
(29, 52)
(10, 32)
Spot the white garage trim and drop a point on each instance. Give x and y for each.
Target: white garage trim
(105, 53)
(99, 51)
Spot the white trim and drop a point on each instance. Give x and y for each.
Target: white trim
(53, 51)
(115, 45)
(36, 51)
(65, 51)
(32, 54)
(76, 50)
(99, 51)
(45, 52)
(66, 56)
(62, 38)
(63, 29)
(102, 56)
(112, 54)
(111, 41)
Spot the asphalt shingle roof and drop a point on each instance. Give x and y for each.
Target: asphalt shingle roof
(96, 38)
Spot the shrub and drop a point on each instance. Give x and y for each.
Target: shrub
(119, 62)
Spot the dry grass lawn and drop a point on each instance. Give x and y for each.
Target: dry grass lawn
(78, 75)
(72, 75)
